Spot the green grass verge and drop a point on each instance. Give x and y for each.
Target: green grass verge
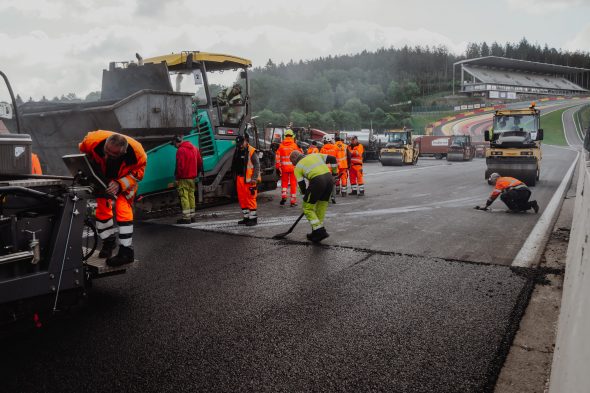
(583, 117)
(553, 128)
(419, 122)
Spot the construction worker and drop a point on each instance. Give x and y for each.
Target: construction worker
(231, 95)
(318, 169)
(356, 167)
(514, 193)
(343, 159)
(246, 170)
(35, 165)
(189, 164)
(313, 148)
(122, 162)
(285, 168)
(330, 149)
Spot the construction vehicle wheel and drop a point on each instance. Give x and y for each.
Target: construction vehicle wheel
(438, 156)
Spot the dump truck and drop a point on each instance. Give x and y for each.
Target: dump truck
(480, 149)
(515, 144)
(399, 148)
(432, 146)
(460, 148)
(152, 100)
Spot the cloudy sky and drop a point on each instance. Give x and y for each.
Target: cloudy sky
(53, 47)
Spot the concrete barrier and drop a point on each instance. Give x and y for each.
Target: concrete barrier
(570, 371)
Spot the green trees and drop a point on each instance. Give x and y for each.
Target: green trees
(353, 91)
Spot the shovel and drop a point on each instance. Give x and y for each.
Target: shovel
(283, 235)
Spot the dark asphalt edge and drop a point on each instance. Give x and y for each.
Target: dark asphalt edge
(533, 276)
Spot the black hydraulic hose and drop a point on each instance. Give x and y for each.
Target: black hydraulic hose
(27, 192)
(13, 101)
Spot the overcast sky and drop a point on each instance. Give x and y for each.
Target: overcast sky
(53, 47)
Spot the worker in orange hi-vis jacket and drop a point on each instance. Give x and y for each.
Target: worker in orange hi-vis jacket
(246, 171)
(313, 148)
(356, 167)
(285, 168)
(343, 158)
(122, 162)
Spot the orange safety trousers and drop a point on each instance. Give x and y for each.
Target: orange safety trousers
(246, 194)
(343, 177)
(356, 175)
(288, 180)
(124, 216)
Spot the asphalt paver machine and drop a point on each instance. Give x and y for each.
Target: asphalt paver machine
(47, 235)
(203, 96)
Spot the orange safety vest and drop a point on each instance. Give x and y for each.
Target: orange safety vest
(132, 165)
(330, 150)
(312, 150)
(283, 155)
(504, 183)
(36, 165)
(250, 166)
(356, 154)
(341, 155)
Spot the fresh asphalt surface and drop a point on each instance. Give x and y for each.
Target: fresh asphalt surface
(411, 293)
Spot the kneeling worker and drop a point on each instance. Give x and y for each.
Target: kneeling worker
(319, 170)
(514, 193)
(122, 161)
(246, 170)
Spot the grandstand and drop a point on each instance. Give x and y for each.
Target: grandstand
(501, 77)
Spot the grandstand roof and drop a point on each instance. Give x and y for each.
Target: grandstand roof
(506, 77)
(521, 65)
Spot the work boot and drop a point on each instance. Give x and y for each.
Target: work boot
(293, 204)
(244, 221)
(333, 199)
(535, 206)
(343, 193)
(124, 256)
(183, 221)
(108, 246)
(362, 193)
(193, 219)
(353, 192)
(283, 201)
(252, 222)
(317, 235)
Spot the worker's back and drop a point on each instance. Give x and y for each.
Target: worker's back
(311, 166)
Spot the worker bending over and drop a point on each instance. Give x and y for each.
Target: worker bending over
(285, 168)
(343, 158)
(122, 162)
(514, 193)
(356, 166)
(246, 170)
(316, 195)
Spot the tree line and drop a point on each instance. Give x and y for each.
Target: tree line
(371, 88)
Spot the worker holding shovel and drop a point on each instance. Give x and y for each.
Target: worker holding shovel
(318, 170)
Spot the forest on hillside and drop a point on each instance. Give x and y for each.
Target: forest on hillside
(354, 91)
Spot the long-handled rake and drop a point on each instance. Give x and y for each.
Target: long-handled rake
(283, 235)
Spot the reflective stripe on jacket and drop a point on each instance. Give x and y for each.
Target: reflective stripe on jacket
(132, 164)
(283, 160)
(342, 154)
(505, 183)
(314, 165)
(250, 167)
(356, 154)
